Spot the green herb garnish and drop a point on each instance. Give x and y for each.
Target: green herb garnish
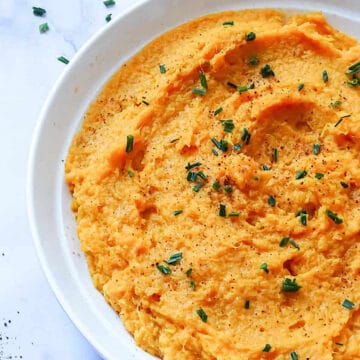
(188, 272)
(271, 201)
(264, 267)
(228, 189)
(145, 102)
(319, 176)
(174, 258)
(294, 244)
(275, 155)
(163, 269)
(222, 210)
(215, 152)
(234, 214)
(250, 36)
(162, 68)
(228, 125)
(108, 3)
(221, 145)
(130, 173)
(63, 59)
(267, 348)
(316, 149)
(303, 217)
(218, 111)
(174, 140)
(266, 168)
(294, 356)
(197, 187)
(234, 86)
(348, 304)
(300, 87)
(43, 28)
(108, 17)
(284, 241)
(38, 11)
(344, 184)
(216, 185)
(266, 71)
(203, 80)
(289, 285)
(253, 60)
(341, 119)
(242, 89)
(333, 216)
(190, 166)
(247, 304)
(246, 136)
(335, 104)
(300, 174)
(256, 178)
(199, 91)
(325, 76)
(192, 284)
(202, 315)
(129, 143)
(237, 147)
(177, 212)
(228, 23)
(191, 176)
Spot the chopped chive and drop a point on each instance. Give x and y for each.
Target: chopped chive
(228, 125)
(325, 76)
(266, 168)
(203, 80)
(319, 176)
(162, 68)
(333, 216)
(129, 143)
(63, 59)
(294, 244)
(355, 67)
(339, 344)
(202, 315)
(316, 149)
(256, 178)
(348, 304)
(108, 17)
(253, 60)
(222, 210)
(247, 304)
(177, 212)
(237, 147)
(271, 201)
(266, 71)
(231, 85)
(199, 91)
(242, 89)
(234, 214)
(267, 348)
(303, 218)
(245, 136)
(188, 272)
(354, 82)
(300, 174)
(275, 155)
(191, 176)
(108, 3)
(228, 189)
(335, 104)
(228, 23)
(174, 140)
(190, 166)
(344, 184)
(289, 285)
(216, 185)
(197, 187)
(215, 152)
(221, 145)
(341, 119)
(174, 258)
(264, 267)
(130, 173)
(300, 87)
(294, 356)
(163, 269)
(250, 36)
(145, 102)
(192, 284)
(284, 241)
(43, 28)
(38, 11)
(201, 175)
(218, 111)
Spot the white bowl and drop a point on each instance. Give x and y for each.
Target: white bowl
(52, 222)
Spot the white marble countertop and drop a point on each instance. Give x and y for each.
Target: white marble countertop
(32, 323)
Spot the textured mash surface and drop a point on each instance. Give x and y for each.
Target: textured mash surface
(126, 223)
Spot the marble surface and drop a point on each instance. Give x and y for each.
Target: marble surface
(32, 323)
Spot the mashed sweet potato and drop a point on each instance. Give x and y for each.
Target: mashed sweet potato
(216, 187)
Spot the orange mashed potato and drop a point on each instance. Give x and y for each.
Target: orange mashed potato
(216, 187)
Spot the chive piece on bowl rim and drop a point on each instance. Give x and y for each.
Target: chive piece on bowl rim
(43, 28)
(63, 59)
(38, 11)
(108, 17)
(202, 315)
(109, 3)
(129, 143)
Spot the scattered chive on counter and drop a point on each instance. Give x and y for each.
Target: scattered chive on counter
(108, 17)
(63, 60)
(38, 11)
(43, 28)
